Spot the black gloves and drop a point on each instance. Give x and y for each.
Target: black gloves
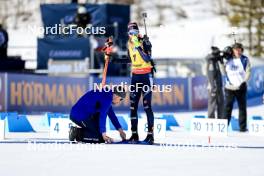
(146, 44)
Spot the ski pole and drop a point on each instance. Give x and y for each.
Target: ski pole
(144, 15)
(107, 50)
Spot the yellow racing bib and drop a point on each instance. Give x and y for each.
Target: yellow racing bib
(139, 66)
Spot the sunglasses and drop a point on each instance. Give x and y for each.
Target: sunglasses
(133, 32)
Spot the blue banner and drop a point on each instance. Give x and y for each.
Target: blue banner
(2, 92)
(56, 13)
(254, 93)
(256, 86)
(101, 14)
(62, 49)
(174, 100)
(256, 82)
(199, 92)
(162, 101)
(33, 93)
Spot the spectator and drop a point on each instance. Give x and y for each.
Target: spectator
(238, 70)
(3, 42)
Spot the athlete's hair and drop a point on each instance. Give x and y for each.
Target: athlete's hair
(238, 45)
(132, 26)
(119, 91)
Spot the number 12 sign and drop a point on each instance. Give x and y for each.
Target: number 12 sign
(209, 127)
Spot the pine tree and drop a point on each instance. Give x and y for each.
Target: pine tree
(249, 14)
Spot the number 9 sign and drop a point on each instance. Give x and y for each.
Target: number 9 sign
(159, 128)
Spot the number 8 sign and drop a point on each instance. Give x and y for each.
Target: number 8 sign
(159, 128)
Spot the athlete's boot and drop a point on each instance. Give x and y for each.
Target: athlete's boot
(134, 138)
(150, 138)
(75, 134)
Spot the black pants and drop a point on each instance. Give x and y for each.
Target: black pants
(3, 52)
(141, 84)
(241, 97)
(215, 103)
(90, 132)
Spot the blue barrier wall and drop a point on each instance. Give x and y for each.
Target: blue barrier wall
(2, 91)
(35, 93)
(199, 92)
(176, 99)
(256, 86)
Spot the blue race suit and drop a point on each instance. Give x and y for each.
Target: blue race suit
(90, 113)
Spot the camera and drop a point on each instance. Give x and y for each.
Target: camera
(219, 55)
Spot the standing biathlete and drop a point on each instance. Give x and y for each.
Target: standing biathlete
(139, 55)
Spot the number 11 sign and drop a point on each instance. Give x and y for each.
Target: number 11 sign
(209, 127)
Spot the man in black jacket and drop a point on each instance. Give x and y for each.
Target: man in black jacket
(215, 85)
(3, 42)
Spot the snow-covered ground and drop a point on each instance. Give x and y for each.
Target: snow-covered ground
(237, 154)
(118, 159)
(82, 159)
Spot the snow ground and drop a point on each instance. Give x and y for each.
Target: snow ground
(242, 155)
(80, 159)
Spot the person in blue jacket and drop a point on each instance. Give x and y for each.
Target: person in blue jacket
(90, 113)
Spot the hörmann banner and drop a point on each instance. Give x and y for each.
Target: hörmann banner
(2, 92)
(35, 93)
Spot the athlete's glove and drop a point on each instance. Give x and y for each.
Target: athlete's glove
(108, 49)
(107, 139)
(122, 134)
(147, 46)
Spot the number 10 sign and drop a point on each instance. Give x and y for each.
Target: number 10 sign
(209, 127)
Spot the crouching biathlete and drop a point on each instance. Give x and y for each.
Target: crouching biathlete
(90, 112)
